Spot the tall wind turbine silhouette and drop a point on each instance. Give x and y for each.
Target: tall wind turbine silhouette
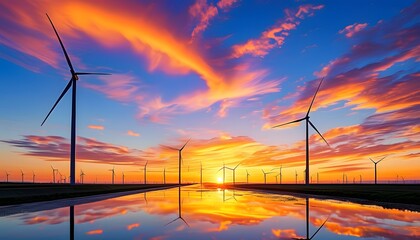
(54, 172)
(247, 175)
(308, 122)
(72, 83)
(375, 165)
(179, 159)
(7, 176)
(123, 177)
(113, 173)
(23, 174)
(33, 177)
(265, 175)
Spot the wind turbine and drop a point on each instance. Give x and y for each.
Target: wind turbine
(23, 174)
(296, 175)
(308, 122)
(277, 177)
(375, 165)
(82, 176)
(72, 83)
(265, 175)
(179, 159)
(145, 172)
(224, 171)
(317, 177)
(234, 170)
(280, 174)
(33, 177)
(54, 172)
(61, 177)
(113, 174)
(7, 176)
(179, 210)
(247, 175)
(123, 177)
(164, 175)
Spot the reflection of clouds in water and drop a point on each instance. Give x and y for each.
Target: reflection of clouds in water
(211, 213)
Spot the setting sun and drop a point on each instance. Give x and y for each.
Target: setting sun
(219, 180)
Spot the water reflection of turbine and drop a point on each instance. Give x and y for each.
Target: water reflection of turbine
(71, 222)
(307, 223)
(179, 210)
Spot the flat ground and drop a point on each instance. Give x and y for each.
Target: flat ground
(387, 193)
(16, 193)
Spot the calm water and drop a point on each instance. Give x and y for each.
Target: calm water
(191, 213)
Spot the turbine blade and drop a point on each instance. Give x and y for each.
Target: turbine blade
(58, 100)
(372, 160)
(313, 99)
(319, 228)
(295, 121)
(184, 145)
(184, 221)
(237, 165)
(171, 221)
(219, 169)
(92, 73)
(262, 171)
(382, 159)
(62, 46)
(319, 133)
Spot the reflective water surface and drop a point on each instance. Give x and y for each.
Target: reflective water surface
(192, 213)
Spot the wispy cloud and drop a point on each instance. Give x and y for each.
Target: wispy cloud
(132, 133)
(96, 127)
(275, 35)
(350, 30)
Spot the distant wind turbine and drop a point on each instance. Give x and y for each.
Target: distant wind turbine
(164, 175)
(277, 178)
(375, 166)
(72, 82)
(224, 171)
(265, 175)
(113, 174)
(296, 175)
(145, 172)
(7, 176)
(308, 122)
(23, 174)
(234, 170)
(82, 176)
(123, 177)
(33, 177)
(280, 174)
(54, 172)
(247, 177)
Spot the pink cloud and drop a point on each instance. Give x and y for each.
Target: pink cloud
(350, 30)
(276, 35)
(95, 232)
(132, 133)
(204, 13)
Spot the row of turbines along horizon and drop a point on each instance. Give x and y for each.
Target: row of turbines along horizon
(224, 175)
(58, 177)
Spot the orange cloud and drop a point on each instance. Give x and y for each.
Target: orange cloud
(134, 225)
(204, 13)
(274, 36)
(133, 134)
(350, 30)
(96, 127)
(95, 232)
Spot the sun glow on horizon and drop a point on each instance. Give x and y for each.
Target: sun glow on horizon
(219, 180)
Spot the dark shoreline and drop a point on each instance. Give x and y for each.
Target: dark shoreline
(386, 195)
(18, 193)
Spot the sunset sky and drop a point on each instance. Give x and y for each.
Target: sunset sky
(219, 72)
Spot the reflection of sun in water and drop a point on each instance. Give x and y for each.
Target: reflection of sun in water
(219, 180)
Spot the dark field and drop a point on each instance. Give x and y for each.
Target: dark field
(386, 193)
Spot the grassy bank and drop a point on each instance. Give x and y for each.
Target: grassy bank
(388, 193)
(24, 193)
